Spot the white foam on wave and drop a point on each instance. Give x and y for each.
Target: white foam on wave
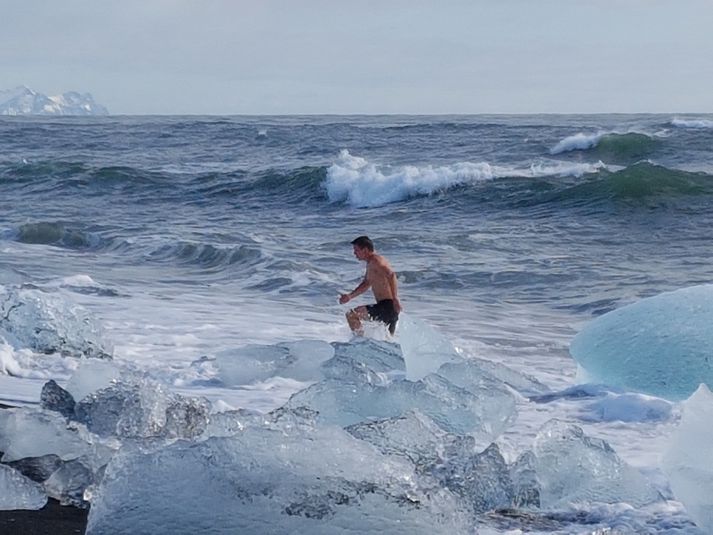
(363, 184)
(585, 141)
(79, 281)
(579, 141)
(692, 123)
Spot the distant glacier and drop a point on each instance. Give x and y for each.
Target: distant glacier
(24, 101)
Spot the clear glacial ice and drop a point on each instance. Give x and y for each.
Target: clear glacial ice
(19, 492)
(299, 360)
(269, 479)
(572, 468)
(688, 462)
(363, 448)
(49, 323)
(142, 409)
(660, 345)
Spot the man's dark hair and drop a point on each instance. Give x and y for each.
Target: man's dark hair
(363, 241)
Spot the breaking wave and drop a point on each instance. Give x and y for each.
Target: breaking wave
(612, 147)
(692, 123)
(363, 184)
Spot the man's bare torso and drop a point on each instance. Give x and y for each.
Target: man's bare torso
(378, 273)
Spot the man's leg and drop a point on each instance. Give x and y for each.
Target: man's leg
(354, 317)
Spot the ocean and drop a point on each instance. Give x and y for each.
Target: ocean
(186, 237)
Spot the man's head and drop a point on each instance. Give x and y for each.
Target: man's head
(363, 247)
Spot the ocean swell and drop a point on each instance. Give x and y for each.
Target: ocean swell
(640, 182)
(206, 256)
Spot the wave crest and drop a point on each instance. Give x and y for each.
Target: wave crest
(207, 256)
(638, 183)
(616, 147)
(362, 184)
(692, 123)
(57, 234)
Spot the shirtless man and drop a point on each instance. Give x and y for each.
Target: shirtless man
(382, 281)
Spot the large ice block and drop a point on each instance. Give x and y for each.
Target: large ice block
(50, 323)
(142, 409)
(270, 480)
(688, 461)
(575, 468)
(360, 397)
(661, 345)
(480, 479)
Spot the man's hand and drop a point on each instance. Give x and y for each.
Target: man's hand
(397, 306)
(344, 298)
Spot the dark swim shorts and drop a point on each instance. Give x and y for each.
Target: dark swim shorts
(384, 312)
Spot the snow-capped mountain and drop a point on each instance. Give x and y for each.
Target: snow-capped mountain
(24, 101)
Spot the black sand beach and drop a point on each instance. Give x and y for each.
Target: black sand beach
(52, 519)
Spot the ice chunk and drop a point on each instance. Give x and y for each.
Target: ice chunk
(309, 355)
(481, 480)
(34, 433)
(413, 436)
(186, 417)
(497, 404)
(229, 423)
(484, 481)
(19, 492)
(575, 468)
(424, 349)
(688, 461)
(289, 479)
(379, 356)
(68, 482)
(296, 360)
(142, 409)
(48, 323)
(346, 370)
(660, 345)
(527, 385)
(56, 398)
(93, 375)
(37, 468)
(454, 409)
(524, 480)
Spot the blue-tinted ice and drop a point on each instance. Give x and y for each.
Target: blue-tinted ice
(661, 345)
(689, 459)
(269, 479)
(574, 468)
(49, 323)
(19, 492)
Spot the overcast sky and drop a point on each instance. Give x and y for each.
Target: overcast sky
(381, 56)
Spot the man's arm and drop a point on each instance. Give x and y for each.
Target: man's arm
(363, 287)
